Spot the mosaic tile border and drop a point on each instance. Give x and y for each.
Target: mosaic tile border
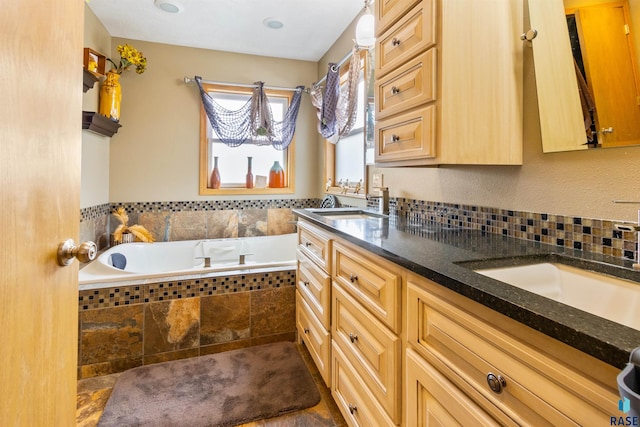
(584, 234)
(91, 299)
(94, 212)
(213, 205)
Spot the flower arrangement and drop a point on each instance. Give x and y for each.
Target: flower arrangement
(129, 56)
(139, 232)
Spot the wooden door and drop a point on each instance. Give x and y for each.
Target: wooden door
(608, 53)
(40, 143)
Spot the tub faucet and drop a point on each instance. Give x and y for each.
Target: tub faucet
(207, 261)
(383, 202)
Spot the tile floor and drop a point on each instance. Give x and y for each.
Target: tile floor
(93, 394)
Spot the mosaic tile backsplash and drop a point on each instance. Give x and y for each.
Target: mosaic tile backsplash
(215, 219)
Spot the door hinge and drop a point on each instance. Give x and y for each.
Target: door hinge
(626, 29)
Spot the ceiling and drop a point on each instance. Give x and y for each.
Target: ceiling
(310, 27)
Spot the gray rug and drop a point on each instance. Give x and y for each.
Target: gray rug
(223, 389)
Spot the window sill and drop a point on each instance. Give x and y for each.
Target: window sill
(245, 191)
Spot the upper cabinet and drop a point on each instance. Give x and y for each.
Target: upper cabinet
(587, 76)
(448, 82)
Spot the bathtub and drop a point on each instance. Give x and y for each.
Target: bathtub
(141, 263)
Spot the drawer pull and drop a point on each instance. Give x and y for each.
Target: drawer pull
(353, 278)
(353, 337)
(307, 244)
(395, 42)
(306, 283)
(395, 138)
(306, 330)
(496, 382)
(352, 408)
(395, 90)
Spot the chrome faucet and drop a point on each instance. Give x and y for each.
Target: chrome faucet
(633, 228)
(383, 202)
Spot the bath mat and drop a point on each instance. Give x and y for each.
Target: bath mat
(222, 389)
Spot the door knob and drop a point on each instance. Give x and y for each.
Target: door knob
(68, 250)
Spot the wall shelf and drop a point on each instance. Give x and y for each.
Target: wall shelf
(99, 124)
(88, 80)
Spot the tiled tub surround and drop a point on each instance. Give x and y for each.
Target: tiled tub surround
(128, 326)
(171, 221)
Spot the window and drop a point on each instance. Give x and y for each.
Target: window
(233, 161)
(347, 160)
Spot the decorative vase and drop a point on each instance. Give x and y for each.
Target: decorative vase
(110, 97)
(249, 179)
(276, 176)
(214, 182)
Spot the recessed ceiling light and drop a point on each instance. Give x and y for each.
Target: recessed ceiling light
(273, 23)
(170, 6)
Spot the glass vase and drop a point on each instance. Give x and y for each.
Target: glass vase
(111, 97)
(249, 179)
(214, 181)
(276, 176)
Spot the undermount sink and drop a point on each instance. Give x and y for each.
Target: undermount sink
(599, 294)
(341, 214)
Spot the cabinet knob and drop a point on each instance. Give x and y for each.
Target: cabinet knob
(395, 90)
(352, 408)
(395, 138)
(306, 330)
(307, 244)
(306, 283)
(496, 382)
(353, 337)
(395, 42)
(353, 278)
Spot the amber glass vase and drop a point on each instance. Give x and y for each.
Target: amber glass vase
(276, 176)
(214, 181)
(111, 97)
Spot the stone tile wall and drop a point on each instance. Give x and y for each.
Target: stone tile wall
(124, 327)
(171, 221)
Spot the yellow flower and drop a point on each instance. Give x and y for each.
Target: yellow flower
(140, 233)
(129, 56)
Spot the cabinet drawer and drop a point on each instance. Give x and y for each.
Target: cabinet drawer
(352, 396)
(414, 33)
(374, 282)
(409, 86)
(371, 347)
(409, 136)
(541, 389)
(314, 285)
(315, 244)
(389, 11)
(315, 336)
(434, 400)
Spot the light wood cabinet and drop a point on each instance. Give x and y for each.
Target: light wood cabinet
(313, 295)
(433, 400)
(476, 101)
(537, 380)
(399, 349)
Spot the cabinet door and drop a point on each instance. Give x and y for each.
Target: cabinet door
(314, 285)
(315, 337)
(481, 77)
(559, 108)
(315, 244)
(371, 347)
(432, 400)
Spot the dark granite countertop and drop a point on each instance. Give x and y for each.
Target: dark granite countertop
(448, 255)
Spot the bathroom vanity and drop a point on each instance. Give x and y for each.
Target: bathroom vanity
(415, 335)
